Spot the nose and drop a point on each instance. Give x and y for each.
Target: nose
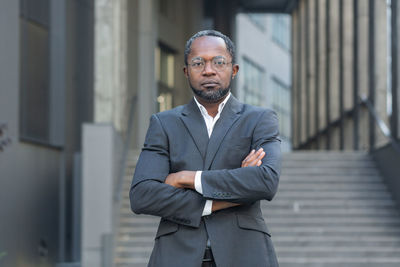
(208, 69)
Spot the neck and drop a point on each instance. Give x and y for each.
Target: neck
(211, 107)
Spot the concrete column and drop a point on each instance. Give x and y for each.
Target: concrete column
(100, 147)
(348, 70)
(147, 86)
(363, 70)
(311, 66)
(110, 79)
(322, 65)
(334, 59)
(333, 55)
(303, 73)
(295, 74)
(381, 45)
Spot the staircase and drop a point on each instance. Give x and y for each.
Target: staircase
(332, 209)
(135, 237)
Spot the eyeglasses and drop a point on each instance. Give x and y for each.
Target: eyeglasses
(217, 63)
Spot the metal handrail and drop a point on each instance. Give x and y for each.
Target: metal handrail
(120, 181)
(381, 124)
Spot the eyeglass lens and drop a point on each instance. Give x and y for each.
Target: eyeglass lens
(218, 63)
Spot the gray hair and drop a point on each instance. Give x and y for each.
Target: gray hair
(228, 42)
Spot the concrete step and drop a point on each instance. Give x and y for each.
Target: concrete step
(332, 229)
(328, 164)
(326, 155)
(132, 262)
(291, 194)
(391, 252)
(331, 221)
(303, 212)
(329, 186)
(329, 171)
(360, 240)
(322, 178)
(338, 262)
(327, 203)
(137, 242)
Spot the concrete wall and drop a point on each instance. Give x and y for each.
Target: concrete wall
(388, 161)
(36, 179)
(29, 174)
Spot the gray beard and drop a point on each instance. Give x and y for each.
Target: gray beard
(211, 96)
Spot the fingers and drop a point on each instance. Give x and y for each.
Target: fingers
(248, 156)
(258, 157)
(254, 158)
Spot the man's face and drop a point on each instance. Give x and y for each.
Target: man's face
(208, 79)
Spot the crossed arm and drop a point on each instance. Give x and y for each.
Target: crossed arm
(186, 179)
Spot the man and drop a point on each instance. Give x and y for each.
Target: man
(203, 171)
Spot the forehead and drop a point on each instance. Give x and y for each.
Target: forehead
(208, 47)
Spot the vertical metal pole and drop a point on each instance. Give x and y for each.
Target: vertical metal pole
(394, 119)
(355, 76)
(327, 68)
(317, 78)
(341, 72)
(371, 70)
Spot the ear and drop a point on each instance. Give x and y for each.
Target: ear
(235, 70)
(185, 71)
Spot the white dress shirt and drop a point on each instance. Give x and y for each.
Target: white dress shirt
(210, 122)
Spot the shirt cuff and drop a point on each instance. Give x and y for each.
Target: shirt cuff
(197, 182)
(207, 208)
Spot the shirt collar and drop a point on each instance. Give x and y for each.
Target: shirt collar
(203, 110)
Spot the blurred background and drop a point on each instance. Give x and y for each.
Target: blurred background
(79, 80)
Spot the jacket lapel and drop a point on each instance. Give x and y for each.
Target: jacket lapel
(229, 115)
(196, 126)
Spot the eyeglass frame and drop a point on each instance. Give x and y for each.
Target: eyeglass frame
(212, 65)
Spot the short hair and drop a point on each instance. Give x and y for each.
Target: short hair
(228, 42)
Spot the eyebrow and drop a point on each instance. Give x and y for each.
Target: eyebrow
(195, 58)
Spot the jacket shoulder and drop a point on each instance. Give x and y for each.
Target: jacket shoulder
(255, 110)
(171, 113)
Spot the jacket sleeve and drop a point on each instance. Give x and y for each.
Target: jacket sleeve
(150, 195)
(249, 184)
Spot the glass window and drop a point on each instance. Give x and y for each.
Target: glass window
(34, 74)
(259, 20)
(281, 30)
(252, 88)
(164, 68)
(281, 104)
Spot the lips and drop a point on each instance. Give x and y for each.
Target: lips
(210, 83)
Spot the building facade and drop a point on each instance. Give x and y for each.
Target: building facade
(66, 66)
(264, 56)
(345, 56)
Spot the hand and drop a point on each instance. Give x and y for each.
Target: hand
(254, 158)
(182, 179)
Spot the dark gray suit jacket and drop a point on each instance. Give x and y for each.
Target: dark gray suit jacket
(177, 140)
